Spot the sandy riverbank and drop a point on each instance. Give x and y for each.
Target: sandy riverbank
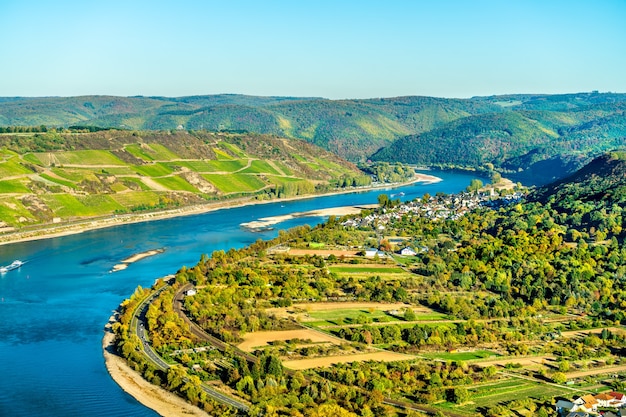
(266, 222)
(161, 401)
(63, 229)
(136, 257)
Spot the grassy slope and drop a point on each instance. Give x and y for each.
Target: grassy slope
(52, 175)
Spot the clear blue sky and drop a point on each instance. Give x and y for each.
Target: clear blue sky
(334, 49)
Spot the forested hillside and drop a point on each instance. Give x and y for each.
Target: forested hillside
(531, 134)
(536, 145)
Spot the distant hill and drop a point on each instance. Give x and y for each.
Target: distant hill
(536, 145)
(53, 177)
(529, 134)
(602, 182)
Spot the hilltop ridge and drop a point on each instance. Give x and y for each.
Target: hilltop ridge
(526, 134)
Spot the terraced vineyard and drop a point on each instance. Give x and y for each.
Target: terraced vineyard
(53, 177)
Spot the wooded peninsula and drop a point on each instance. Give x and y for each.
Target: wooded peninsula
(480, 303)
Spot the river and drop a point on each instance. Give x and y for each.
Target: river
(53, 309)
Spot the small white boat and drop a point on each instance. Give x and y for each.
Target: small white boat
(14, 265)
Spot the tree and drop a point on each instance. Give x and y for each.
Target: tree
(175, 377)
(460, 395)
(474, 186)
(559, 378)
(383, 200)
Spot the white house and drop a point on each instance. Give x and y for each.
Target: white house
(408, 252)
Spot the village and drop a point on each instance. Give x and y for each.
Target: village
(609, 404)
(438, 207)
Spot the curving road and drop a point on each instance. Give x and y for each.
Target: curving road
(138, 324)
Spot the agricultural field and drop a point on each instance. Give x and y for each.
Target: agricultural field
(259, 340)
(13, 212)
(176, 169)
(365, 271)
(235, 183)
(154, 170)
(257, 166)
(329, 315)
(151, 152)
(462, 355)
(12, 167)
(57, 180)
(13, 187)
(79, 158)
(503, 391)
(64, 205)
(176, 183)
(233, 148)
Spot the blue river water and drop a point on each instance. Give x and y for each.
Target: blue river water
(54, 308)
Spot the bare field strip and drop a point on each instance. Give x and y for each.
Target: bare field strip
(599, 371)
(260, 339)
(524, 361)
(358, 305)
(349, 358)
(587, 332)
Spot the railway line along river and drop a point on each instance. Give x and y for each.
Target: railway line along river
(55, 306)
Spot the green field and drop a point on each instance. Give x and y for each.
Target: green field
(233, 148)
(12, 209)
(284, 168)
(283, 180)
(232, 183)
(221, 154)
(461, 356)
(137, 151)
(13, 187)
(227, 166)
(137, 181)
(153, 170)
(176, 183)
(198, 166)
(258, 166)
(31, 158)
(58, 181)
(87, 157)
(12, 167)
(64, 205)
(151, 152)
(349, 316)
(126, 170)
(73, 175)
(504, 391)
(137, 198)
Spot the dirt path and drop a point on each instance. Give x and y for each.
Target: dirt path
(604, 370)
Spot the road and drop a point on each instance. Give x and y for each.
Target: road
(138, 324)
